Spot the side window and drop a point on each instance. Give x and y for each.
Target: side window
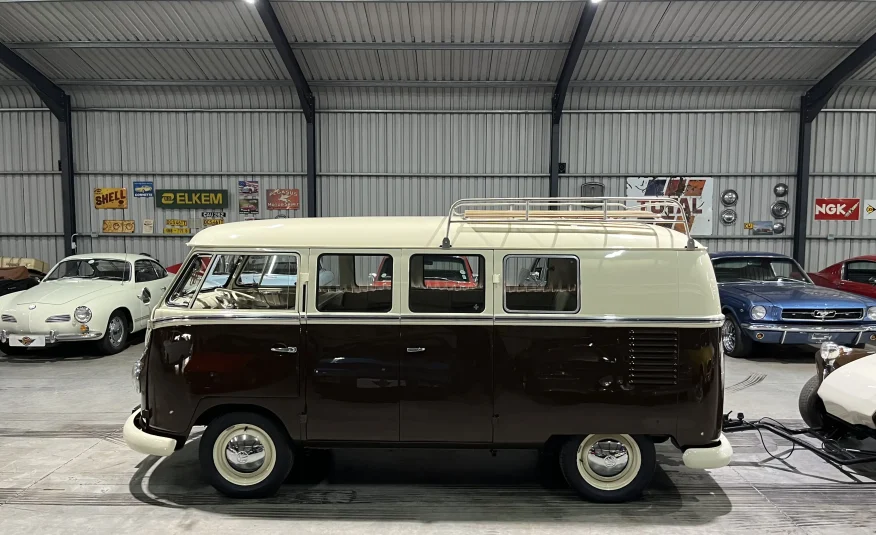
(188, 281)
(541, 283)
(250, 282)
(354, 283)
(861, 271)
(160, 272)
(143, 271)
(446, 283)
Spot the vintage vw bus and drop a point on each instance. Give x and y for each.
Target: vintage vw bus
(591, 329)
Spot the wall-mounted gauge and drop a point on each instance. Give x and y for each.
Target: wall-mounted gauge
(780, 209)
(780, 189)
(729, 197)
(728, 216)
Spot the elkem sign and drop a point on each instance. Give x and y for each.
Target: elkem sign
(837, 209)
(187, 198)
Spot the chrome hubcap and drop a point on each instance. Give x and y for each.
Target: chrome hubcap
(607, 458)
(728, 336)
(245, 452)
(116, 331)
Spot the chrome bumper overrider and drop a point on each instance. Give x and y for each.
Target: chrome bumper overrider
(54, 337)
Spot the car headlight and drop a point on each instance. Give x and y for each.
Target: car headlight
(82, 314)
(758, 312)
(871, 313)
(135, 374)
(829, 352)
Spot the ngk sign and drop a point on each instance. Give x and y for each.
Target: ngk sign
(837, 209)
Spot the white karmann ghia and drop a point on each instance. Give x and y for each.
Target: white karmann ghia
(95, 297)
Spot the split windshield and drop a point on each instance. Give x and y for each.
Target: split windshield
(92, 268)
(759, 269)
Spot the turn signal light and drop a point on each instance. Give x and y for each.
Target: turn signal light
(759, 336)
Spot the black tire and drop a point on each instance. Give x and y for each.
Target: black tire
(110, 344)
(265, 479)
(12, 351)
(629, 484)
(741, 344)
(811, 407)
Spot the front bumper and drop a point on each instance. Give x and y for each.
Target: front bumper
(778, 333)
(53, 337)
(716, 456)
(140, 441)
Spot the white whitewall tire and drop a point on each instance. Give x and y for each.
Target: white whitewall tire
(608, 467)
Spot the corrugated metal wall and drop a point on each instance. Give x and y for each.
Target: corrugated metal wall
(406, 151)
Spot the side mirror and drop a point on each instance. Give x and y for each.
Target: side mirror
(145, 296)
(372, 277)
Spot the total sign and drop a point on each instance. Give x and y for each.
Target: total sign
(837, 209)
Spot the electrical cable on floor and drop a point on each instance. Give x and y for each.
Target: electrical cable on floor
(763, 443)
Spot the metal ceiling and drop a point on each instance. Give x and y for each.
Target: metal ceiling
(338, 42)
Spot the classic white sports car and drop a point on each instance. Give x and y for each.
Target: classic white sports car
(101, 297)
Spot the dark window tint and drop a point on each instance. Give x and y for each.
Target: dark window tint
(144, 272)
(160, 272)
(541, 284)
(445, 283)
(353, 283)
(861, 271)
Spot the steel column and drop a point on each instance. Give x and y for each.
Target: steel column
(58, 103)
(811, 105)
(559, 96)
(305, 95)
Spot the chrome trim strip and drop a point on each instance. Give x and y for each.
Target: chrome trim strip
(716, 320)
(808, 328)
(212, 318)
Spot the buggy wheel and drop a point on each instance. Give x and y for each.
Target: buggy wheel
(811, 407)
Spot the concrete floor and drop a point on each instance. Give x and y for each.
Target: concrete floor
(65, 468)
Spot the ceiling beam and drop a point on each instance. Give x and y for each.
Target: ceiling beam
(244, 45)
(52, 96)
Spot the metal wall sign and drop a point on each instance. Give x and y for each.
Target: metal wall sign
(188, 198)
(118, 226)
(870, 209)
(283, 199)
(695, 195)
(837, 209)
(109, 198)
(143, 189)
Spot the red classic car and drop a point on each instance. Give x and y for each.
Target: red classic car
(438, 272)
(855, 275)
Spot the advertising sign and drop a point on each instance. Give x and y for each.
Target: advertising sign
(870, 209)
(248, 187)
(283, 199)
(762, 228)
(143, 189)
(106, 198)
(249, 205)
(118, 226)
(695, 195)
(148, 226)
(837, 209)
(189, 198)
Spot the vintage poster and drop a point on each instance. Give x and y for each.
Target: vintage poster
(118, 226)
(188, 198)
(837, 209)
(249, 205)
(870, 209)
(143, 189)
(148, 226)
(248, 187)
(108, 198)
(694, 193)
(762, 228)
(282, 199)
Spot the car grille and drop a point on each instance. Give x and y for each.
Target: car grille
(822, 314)
(58, 319)
(8, 319)
(653, 357)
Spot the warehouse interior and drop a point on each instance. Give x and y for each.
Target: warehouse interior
(401, 108)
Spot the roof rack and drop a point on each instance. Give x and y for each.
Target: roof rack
(664, 211)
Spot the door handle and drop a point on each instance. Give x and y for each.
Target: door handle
(416, 349)
(284, 349)
(163, 288)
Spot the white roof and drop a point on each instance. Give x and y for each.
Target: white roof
(129, 257)
(428, 232)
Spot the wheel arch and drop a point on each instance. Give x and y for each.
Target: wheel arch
(206, 415)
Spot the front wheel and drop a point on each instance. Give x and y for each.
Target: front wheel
(734, 342)
(245, 455)
(811, 407)
(115, 338)
(608, 468)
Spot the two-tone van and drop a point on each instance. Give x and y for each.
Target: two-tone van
(586, 327)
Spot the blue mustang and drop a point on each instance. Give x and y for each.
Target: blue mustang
(767, 298)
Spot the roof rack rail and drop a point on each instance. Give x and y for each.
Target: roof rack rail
(664, 211)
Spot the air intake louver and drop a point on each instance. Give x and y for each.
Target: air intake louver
(653, 357)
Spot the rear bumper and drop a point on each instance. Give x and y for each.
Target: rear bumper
(716, 456)
(768, 333)
(140, 441)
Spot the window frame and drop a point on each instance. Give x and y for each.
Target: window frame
(845, 270)
(539, 312)
(149, 264)
(313, 282)
(485, 256)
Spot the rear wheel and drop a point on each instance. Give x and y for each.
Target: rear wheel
(245, 455)
(811, 407)
(735, 342)
(608, 468)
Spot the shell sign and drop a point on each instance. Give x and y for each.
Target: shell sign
(107, 198)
